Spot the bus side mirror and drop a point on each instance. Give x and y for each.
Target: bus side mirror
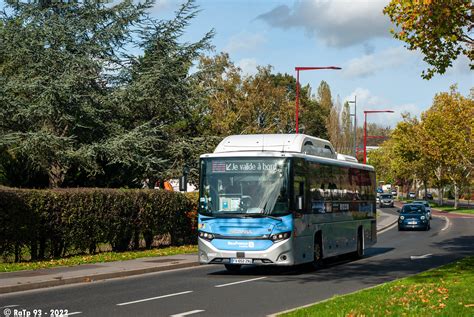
(300, 203)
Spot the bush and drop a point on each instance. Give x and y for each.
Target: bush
(67, 221)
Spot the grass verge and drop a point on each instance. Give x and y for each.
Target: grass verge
(462, 210)
(96, 258)
(445, 291)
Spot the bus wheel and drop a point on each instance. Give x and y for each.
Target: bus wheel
(317, 253)
(360, 245)
(233, 267)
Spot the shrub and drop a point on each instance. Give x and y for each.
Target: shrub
(66, 221)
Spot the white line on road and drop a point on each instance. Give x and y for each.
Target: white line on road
(153, 298)
(446, 219)
(9, 306)
(416, 257)
(74, 313)
(239, 282)
(188, 313)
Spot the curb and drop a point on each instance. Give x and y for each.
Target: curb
(91, 278)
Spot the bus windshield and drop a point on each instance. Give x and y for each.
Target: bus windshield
(250, 186)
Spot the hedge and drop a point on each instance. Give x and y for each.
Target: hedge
(54, 223)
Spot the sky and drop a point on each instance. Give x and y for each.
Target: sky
(352, 34)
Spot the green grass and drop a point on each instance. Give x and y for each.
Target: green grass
(462, 210)
(445, 291)
(96, 258)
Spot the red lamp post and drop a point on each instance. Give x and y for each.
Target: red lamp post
(298, 68)
(365, 130)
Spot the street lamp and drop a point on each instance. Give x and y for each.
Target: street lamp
(298, 68)
(355, 123)
(365, 129)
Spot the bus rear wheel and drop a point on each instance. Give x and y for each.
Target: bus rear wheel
(317, 253)
(360, 245)
(233, 267)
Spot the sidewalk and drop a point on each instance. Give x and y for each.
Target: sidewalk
(34, 279)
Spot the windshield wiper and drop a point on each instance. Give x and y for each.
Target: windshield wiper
(262, 216)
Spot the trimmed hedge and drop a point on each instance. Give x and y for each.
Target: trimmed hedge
(62, 222)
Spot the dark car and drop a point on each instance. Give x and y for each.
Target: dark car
(385, 200)
(413, 216)
(428, 196)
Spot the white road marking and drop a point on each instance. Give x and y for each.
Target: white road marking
(153, 298)
(74, 313)
(446, 226)
(239, 282)
(188, 313)
(416, 257)
(9, 306)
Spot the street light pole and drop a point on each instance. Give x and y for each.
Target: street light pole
(365, 129)
(298, 68)
(355, 123)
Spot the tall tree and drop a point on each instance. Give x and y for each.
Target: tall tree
(441, 29)
(448, 129)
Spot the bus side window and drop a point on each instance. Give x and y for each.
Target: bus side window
(299, 190)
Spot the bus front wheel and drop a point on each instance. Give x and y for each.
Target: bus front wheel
(233, 267)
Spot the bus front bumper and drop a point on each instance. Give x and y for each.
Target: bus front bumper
(277, 254)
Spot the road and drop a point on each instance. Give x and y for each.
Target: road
(256, 291)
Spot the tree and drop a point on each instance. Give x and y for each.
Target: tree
(440, 29)
(54, 60)
(448, 128)
(79, 108)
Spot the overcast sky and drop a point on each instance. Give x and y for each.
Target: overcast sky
(352, 34)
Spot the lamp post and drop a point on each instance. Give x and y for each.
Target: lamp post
(365, 129)
(298, 69)
(355, 123)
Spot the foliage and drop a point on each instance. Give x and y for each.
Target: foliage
(96, 258)
(61, 222)
(440, 29)
(437, 149)
(78, 108)
(446, 291)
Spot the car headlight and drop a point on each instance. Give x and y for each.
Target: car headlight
(206, 235)
(402, 217)
(280, 236)
(422, 217)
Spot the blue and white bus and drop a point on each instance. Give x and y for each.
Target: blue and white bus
(283, 199)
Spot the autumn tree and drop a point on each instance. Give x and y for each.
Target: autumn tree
(440, 29)
(447, 138)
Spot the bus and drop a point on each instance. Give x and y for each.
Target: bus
(282, 199)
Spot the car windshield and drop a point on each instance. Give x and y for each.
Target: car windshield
(386, 196)
(251, 186)
(415, 208)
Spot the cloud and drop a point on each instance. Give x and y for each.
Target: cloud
(369, 64)
(244, 42)
(338, 23)
(248, 66)
(366, 100)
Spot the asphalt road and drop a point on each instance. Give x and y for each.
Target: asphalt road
(255, 291)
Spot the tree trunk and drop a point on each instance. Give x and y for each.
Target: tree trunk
(456, 195)
(56, 174)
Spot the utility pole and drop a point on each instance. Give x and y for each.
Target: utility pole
(355, 123)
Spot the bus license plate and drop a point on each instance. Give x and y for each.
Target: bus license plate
(240, 261)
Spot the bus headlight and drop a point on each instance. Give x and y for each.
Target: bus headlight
(280, 236)
(206, 235)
